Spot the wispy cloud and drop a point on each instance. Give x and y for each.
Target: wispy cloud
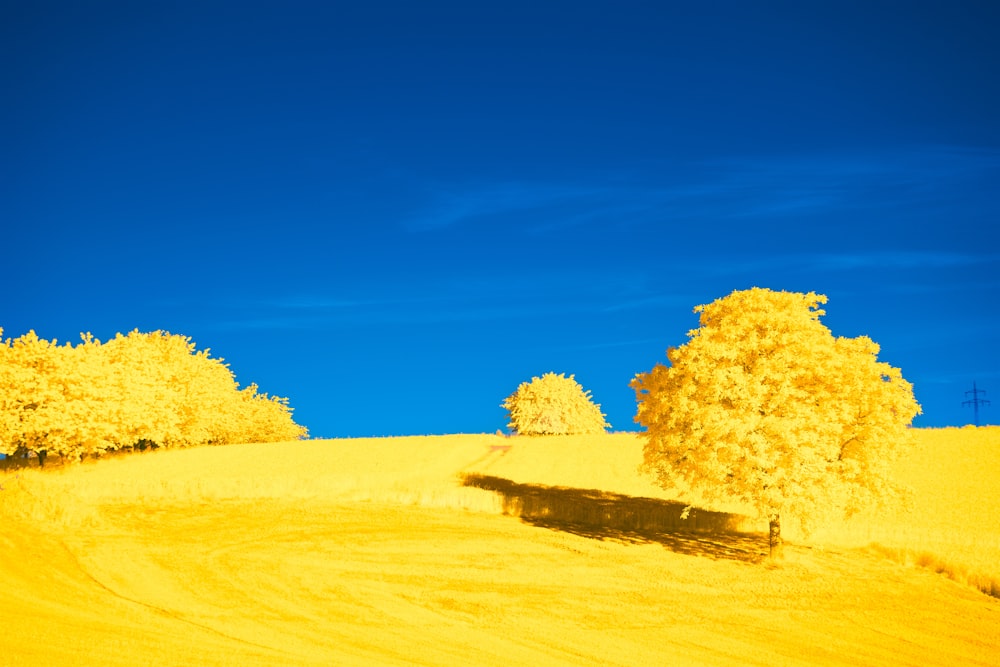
(303, 302)
(740, 188)
(526, 295)
(605, 345)
(897, 260)
(761, 269)
(512, 298)
(651, 300)
(452, 207)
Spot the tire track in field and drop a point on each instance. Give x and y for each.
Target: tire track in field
(160, 610)
(493, 454)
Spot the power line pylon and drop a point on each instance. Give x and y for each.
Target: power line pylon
(975, 401)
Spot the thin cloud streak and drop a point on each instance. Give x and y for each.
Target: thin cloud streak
(749, 188)
(452, 309)
(899, 260)
(618, 344)
(652, 300)
(530, 295)
(458, 208)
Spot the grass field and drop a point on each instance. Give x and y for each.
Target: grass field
(397, 551)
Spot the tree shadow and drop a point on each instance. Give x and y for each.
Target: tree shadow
(615, 517)
(18, 461)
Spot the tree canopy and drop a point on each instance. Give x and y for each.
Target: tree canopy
(763, 404)
(137, 389)
(553, 405)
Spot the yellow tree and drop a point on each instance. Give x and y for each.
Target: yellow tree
(88, 398)
(142, 368)
(262, 418)
(55, 399)
(135, 390)
(170, 393)
(209, 396)
(33, 397)
(553, 405)
(763, 404)
(23, 393)
(13, 378)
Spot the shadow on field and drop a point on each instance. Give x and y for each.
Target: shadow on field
(611, 516)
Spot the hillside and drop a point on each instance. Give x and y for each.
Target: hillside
(373, 551)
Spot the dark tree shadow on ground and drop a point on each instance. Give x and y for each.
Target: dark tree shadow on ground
(611, 516)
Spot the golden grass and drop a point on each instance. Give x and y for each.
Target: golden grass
(373, 551)
(949, 523)
(408, 470)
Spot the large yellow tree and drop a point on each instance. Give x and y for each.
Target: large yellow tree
(763, 404)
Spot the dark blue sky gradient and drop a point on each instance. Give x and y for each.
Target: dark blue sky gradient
(393, 213)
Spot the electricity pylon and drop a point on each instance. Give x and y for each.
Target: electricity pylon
(975, 401)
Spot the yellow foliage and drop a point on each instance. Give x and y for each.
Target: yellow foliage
(263, 418)
(553, 405)
(763, 404)
(135, 390)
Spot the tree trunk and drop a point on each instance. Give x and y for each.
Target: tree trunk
(774, 542)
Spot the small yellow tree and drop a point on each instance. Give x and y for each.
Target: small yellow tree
(553, 405)
(764, 405)
(263, 418)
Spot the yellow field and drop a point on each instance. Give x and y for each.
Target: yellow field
(385, 552)
(950, 522)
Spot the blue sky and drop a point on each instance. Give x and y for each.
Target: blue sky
(393, 213)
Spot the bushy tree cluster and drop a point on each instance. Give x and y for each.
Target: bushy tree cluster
(135, 390)
(553, 405)
(765, 405)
